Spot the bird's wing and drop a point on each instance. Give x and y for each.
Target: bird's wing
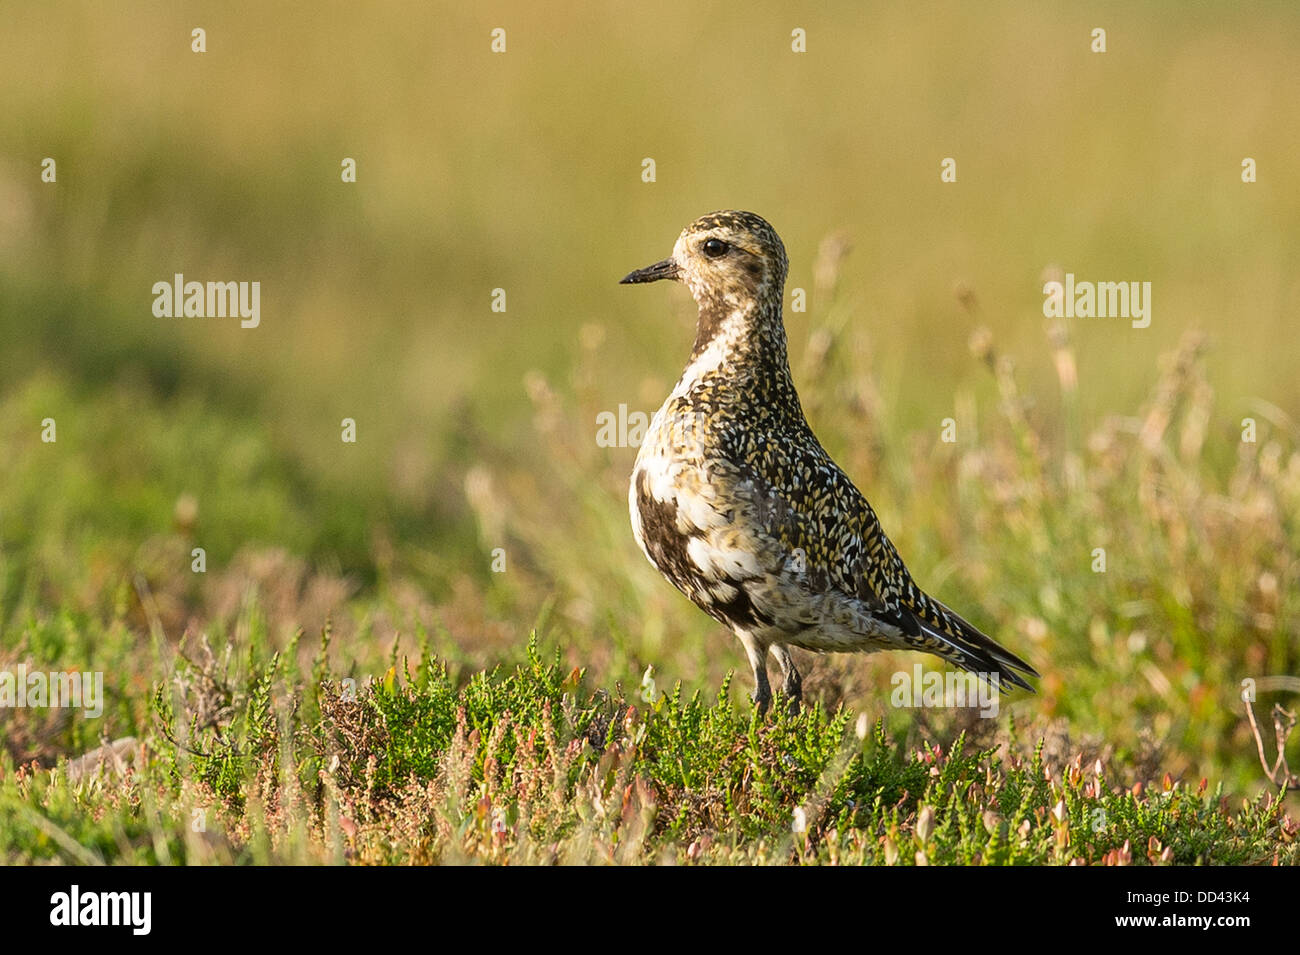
(811, 508)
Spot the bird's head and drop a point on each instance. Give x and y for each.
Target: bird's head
(729, 260)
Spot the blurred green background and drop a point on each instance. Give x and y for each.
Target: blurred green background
(522, 171)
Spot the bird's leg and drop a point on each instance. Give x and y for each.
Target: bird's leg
(792, 684)
(757, 654)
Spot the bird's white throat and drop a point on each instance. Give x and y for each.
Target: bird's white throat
(723, 348)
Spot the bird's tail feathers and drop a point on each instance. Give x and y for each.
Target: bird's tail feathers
(974, 652)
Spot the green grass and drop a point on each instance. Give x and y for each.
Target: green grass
(526, 764)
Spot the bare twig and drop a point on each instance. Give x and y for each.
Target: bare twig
(1284, 722)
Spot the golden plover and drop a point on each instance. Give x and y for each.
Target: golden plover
(739, 506)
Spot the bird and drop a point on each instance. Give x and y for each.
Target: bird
(739, 506)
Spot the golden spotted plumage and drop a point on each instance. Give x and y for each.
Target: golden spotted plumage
(736, 502)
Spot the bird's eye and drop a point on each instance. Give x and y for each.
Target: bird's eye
(715, 248)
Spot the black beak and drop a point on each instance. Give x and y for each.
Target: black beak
(667, 269)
